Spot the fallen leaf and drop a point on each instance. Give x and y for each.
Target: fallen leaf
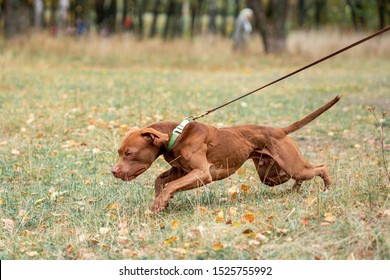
(69, 248)
(32, 254)
(233, 211)
(233, 191)
(129, 252)
(269, 219)
(175, 224)
(248, 218)
(113, 206)
(247, 231)
(123, 240)
(261, 237)
(170, 240)
(15, 152)
(104, 230)
(203, 209)
(305, 221)
(220, 217)
(180, 251)
(9, 224)
(241, 171)
(330, 218)
(245, 188)
(218, 246)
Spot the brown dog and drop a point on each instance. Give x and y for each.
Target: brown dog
(203, 153)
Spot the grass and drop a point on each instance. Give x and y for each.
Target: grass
(65, 105)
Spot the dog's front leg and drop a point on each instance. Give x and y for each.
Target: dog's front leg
(194, 179)
(166, 177)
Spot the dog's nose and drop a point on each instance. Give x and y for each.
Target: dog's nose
(115, 171)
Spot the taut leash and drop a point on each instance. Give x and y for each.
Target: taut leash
(293, 73)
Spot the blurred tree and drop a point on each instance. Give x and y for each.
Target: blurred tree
(301, 12)
(18, 14)
(212, 13)
(383, 7)
(358, 14)
(141, 7)
(156, 11)
(271, 23)
(106, 16)
(173, 24)
(320, 7)
(196, 23)
(38, 14)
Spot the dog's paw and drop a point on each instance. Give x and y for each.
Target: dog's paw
(159, 204)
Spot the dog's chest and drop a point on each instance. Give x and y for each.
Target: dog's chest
(178, 161)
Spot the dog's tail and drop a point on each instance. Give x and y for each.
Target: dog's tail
(301, 123)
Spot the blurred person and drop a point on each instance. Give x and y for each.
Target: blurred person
(242, 29)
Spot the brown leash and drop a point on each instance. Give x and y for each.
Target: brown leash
(293, 73)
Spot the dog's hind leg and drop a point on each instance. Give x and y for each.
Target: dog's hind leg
(294, 164)
(269, 171)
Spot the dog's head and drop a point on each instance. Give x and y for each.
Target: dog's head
(138, 150)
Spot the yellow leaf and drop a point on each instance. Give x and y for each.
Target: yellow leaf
(218, 246)
(112, 217)
(203, 209)
(112, 206)
(124, 127)
(241, 171)
(220, 217)
(40, 200)
(245, 188)
(248, 218)
(236, 224)
(170, 240)
(175, 224)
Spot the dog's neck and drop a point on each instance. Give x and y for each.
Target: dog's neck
(165, 127)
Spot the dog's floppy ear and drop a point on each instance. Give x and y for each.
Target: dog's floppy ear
(157, 138)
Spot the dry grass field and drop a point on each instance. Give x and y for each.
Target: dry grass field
(65, 105)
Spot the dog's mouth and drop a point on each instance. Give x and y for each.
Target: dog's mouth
(134, 175)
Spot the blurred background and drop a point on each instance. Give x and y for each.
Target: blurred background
(272, 20)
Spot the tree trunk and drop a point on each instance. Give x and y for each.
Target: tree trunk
(260, 21)
(319, 8)
(212, 11)
(17, 18)
(196, 23)
(224, 12)
(170, 15)
(357, 13)
(38, 14)
(271, 23)
(141, 4)
(156, 9)
(301, 12)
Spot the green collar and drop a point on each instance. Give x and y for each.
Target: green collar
(176, 133)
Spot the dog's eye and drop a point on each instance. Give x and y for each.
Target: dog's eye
(128, 154)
